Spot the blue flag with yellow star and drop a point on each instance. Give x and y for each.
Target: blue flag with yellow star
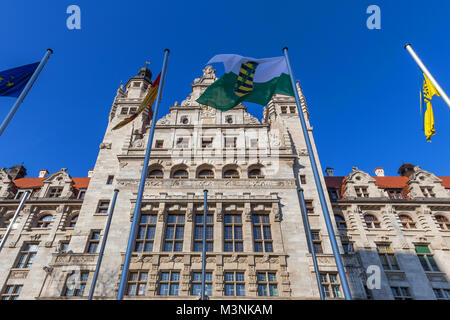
(13, 81)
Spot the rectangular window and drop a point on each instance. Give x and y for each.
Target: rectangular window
(230, 142)
(292, 109)
(146, 233)
(124, 111)
(234, 283)
(103, 206)
(348, 247)
(12, 292)
(182, 142)
(233, 241)
(27, 255)
(426, 258)
(21, 193)
(174, 233)
(317, 241)
(137, 283)
(196, 281)
(309, 206)
(198, 234)
(333, 193)
(81, 194)
(395, 193)
(207, 143)
(159, 144)
(428, 192)
(262, 235)
(75, 284)
(267, 284)
(442, 294)
(330, 285)
(110, 180)
(284, 109)
(93, 242)
(63, 246)
(361, 192)
(133, 110)
(401, 293)
(169, 283)
(387, 257)
(303, 179)
(55, 192)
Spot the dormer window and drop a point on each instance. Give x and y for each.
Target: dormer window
(334, 195)
(361, 192)
(21, 193)
(81, 194)
(428, 192)
(55, 192)
(395, 193)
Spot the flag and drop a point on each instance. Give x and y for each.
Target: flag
(13, 81)
(428, 92)
(147, 102)
(247, 79)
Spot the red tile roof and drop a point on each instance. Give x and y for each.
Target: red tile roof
(445, 182)
(35, 183)
(391, 182)
(81, 183)
(25, 183)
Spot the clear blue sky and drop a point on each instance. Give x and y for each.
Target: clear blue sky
(361, 85)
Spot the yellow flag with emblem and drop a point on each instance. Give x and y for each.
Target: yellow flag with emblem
(428, 92)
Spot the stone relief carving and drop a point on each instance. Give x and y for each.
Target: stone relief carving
(105, 145)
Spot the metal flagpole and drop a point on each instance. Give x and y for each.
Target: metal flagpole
(25, 91)
(137, 208)
(13, 220)
(310, 241)
(102, 248)
(326, 214)
(428, 74)
(205, 211)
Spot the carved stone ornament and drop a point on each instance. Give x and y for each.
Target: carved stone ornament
(105, 145)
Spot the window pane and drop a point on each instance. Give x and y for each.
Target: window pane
(262, 290)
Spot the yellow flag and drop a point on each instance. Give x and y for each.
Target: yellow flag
(428, 92)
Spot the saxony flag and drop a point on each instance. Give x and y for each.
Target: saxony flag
(247, 79)
(147, 102)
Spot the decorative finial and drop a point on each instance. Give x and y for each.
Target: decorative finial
(147, 63)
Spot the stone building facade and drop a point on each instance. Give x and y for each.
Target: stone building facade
(394, 227)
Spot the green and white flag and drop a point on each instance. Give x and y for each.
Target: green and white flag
(247, 79)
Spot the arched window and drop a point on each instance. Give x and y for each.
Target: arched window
(340, 221)
(156, 174)
(44, 221)
(206, 174)
(180, 174)
(73, 221)
(255, 173)
(407, 222)
(231, 173)
(443, 222)
(372, 222)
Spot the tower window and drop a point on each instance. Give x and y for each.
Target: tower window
(292, 109)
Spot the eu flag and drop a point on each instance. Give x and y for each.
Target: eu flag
(13, 81)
